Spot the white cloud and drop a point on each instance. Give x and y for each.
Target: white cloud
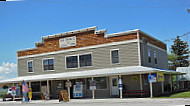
(8, 70)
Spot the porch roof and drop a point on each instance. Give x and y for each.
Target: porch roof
(91, 73)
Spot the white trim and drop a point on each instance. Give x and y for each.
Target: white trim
(111, 62)
(82, 48)
(27, 49)
(149, 44)
(121, 33)
(139, 50)
(43, 64)
(32, 66)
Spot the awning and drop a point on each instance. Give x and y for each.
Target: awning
(91, 73)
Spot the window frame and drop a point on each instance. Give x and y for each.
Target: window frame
(155, 57)
(32, 66)
(111, 62)
(66, 61)
(48, 64)
(149, 60)
(78, 60)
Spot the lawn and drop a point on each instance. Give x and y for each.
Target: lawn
(178, 95)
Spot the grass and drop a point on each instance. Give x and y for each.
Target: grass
(177, 95)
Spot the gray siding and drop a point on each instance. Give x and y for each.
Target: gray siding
(162, 61)
(100, 59)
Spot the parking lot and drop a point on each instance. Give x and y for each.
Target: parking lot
(104, 102)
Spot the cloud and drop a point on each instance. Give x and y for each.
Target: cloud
(8, 70)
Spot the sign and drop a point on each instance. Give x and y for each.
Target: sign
(30, 93)
(63, 95)
(152, 78)
(78, 90)
(68, 84)
(92, 85)
(120, 84)
(160, 77)
(67, 42)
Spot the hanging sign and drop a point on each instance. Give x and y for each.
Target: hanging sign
(92, 85)
(120, 84)
(67, 42)
(152, 78)
(160, 77)
(68, 84)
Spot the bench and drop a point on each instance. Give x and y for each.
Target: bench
(136, 93)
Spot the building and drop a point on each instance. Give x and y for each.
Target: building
(184, 80)
(88, 55)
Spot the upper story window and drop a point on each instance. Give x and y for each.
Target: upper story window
(77, 61)
(48, 64)
(72, 62)
(149, 56)
(115, 56)
(30, 66)
(155, 58)
(85, 60)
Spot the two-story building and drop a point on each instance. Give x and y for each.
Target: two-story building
(90, 54)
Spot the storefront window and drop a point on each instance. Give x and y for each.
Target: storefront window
(35, 86)
(101, 82)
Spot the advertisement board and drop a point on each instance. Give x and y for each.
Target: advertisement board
(160, 77)
(67, 42)
(152, 78)
(78, 90)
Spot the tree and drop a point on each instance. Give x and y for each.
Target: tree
(180, 53)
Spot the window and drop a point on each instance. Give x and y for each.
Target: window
(101, 82)
(85, 60)
(48, 64)
(79, 61)
(149, 56)
(155, 57)
(72, 62)
(115, 56)
(30, 66)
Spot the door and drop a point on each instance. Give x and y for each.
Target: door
(114, 85)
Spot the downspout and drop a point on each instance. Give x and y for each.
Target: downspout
(139, 50)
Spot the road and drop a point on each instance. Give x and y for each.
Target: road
(104, 102)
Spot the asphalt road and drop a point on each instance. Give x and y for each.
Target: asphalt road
(104, 102)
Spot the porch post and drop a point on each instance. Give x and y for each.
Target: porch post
(151, 95)
(48, 90)
(68, 88)
(93, 96)
(120, 87)
(141, 82)
(171, 82)
(29, 84)
(13, 96)
(162, 84)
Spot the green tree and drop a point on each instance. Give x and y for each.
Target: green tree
(180, 53)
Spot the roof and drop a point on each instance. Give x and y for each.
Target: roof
(91, 73)
(96, 31)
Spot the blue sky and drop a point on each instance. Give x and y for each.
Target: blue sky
(22, 23)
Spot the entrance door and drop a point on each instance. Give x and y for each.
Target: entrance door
(114, 85)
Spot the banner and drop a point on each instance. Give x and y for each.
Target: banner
(160, 77)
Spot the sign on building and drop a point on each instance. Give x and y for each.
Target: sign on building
(152, 78)
(78, 90)
(160, 77)
(67, 42)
